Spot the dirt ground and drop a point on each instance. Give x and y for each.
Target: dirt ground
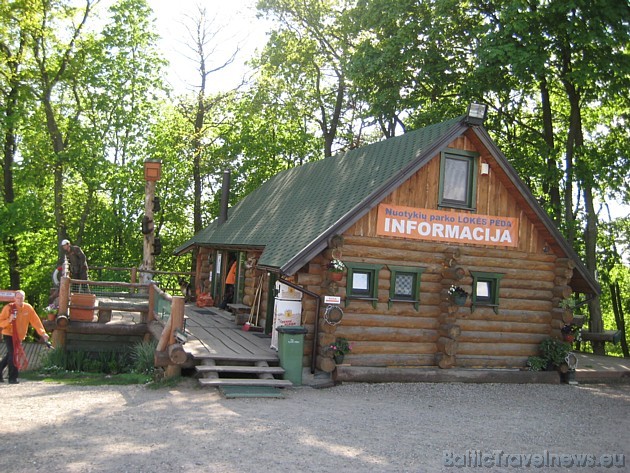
(348, 428)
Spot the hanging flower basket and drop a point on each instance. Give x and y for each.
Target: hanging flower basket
(457, 295)
(335, 276)
(339, 349)
(335, 270)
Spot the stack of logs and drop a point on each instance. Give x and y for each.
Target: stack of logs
(562, 290)
(327, 333)
(449, 331)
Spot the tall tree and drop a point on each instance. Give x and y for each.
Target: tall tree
(575, 54)
(203, 35)
(308, 51)
(13, 45)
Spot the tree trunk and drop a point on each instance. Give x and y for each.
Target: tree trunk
(619, 316)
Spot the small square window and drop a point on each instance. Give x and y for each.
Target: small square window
(485, 290)
(482, 290)
(362, 282)
(405, 285)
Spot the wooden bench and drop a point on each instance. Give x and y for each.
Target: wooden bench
(613, 336)
(105, 309)
(241, 312)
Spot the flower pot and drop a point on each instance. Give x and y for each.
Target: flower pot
(51, 316)
(335, 276)
(568, 337)
(459, 299)
(339, 358)
(82, 307)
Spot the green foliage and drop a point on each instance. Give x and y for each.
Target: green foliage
(552, 354)
(340, 347)
(143, 355)
(59, 360)
(88, 379)
(536, 363)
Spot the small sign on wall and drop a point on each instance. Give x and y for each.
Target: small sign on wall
(332, 300)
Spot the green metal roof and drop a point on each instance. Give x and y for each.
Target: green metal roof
(292, 215)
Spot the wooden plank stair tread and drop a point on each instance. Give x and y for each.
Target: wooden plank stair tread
(237, 357)
(277, 383)
(240, 369)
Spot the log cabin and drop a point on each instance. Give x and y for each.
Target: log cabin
(410, 218)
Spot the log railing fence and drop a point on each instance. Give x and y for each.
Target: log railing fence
(162, 315)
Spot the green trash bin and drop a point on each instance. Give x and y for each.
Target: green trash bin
(291, 352)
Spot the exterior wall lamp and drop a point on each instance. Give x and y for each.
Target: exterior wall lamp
(476, 114)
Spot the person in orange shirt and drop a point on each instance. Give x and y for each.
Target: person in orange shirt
(230, 281)
(24, 315)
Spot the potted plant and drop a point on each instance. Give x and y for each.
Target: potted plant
(335, 269)
(458, 295)
(339, 349)
(570, 332)
(51, 312)
(553, 354)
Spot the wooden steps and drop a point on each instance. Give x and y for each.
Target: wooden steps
(274, 383)
(240, 369)
(233, 371)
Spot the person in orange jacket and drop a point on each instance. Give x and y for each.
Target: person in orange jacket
(230, 281)
(23, 314)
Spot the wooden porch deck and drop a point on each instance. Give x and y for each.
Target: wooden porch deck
(212, 333)
(228, 355)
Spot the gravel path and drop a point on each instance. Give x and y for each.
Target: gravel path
(348, 428)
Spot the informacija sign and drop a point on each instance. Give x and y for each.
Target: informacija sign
(436, 225)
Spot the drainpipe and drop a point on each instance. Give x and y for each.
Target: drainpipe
(225, 197)
(316, 328)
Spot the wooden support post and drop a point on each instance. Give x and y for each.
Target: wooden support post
(151, 314)
(64, 296)
(177, 316)
(58, 338)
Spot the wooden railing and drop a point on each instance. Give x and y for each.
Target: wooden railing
(162, 316)
(167, 280)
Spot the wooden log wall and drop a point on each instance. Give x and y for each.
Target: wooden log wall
(563, 273)
(203, 269)
(439, 333)
(448, 343)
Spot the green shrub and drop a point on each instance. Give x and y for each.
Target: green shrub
(143, 356)
(536, 363)
(553, 353)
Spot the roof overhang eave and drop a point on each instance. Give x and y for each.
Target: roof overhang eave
(590, 282)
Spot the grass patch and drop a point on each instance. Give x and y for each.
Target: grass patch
(81, 368)
(80, 378)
